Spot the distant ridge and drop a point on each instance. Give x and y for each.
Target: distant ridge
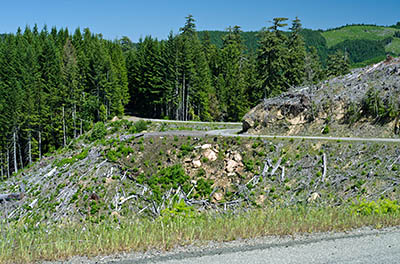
(365, 44)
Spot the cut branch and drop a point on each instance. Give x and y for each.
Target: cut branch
(324, 169)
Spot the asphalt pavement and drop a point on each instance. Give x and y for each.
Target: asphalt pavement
(359, 247)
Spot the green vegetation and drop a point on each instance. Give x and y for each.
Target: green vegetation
(354, 32)
(56, 85)
(98, 132)
(119, 204)
(380, 207)
(179, 226)
(73, 159)
(381, 107)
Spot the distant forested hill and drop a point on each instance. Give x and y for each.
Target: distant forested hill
(364, 44)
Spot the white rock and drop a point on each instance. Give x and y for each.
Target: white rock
(210, 155)
(206, 146)
(196, 163)
(231, 166)
(237, 157)
(218, 196)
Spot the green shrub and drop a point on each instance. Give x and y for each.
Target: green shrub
(139, 126)
(113, 155)
(325, 130)
(185, 149)
(83, 154)
(203, 187)
(380, 207)
(248, 164)
(177, 209)
(99, 131)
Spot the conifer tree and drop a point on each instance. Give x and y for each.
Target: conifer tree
(233, 92)
(273, 59)
(312, 67)
(194, 81)
(338, 64)
(297, 52)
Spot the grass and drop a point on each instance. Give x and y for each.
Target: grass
(394, 47)
(22, 242)
(334, 37)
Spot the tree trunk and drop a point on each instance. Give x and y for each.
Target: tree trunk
(40, 145)
(21, 161)
(30, 146)
(15, 151)
(74, 120)
(176, 95)
(8, 162)
(184, 97)
(64, 130)
(81, 131)
(2, 165)
(187, 103)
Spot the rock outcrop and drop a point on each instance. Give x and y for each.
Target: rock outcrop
(358, 100)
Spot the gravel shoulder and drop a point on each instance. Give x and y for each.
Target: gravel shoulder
(359, 246)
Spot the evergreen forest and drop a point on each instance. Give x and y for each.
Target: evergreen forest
(56, 84)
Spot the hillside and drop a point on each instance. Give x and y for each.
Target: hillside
(120, 188)
(128, 173)
(366, 32)
(363, 103)
(365, 44)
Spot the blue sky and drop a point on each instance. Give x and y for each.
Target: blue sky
(135, 19)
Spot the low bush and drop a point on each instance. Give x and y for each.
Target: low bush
(99, 132)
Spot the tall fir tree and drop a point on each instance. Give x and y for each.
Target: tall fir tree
(297, 52)
(273, 59)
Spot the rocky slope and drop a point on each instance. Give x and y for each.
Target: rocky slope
(150, 174)
(362, 103)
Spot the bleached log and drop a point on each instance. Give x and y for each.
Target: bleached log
(11, 196)
(123, 200)
(276, 167)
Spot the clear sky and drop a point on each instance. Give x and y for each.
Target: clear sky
(135, 19)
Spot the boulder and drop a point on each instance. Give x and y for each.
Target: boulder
(218, 196)
(196, 163)
(237, 157)
(231, 165)
(210, 155)
(206, 146)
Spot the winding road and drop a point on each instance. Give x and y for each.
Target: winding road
(235, 132)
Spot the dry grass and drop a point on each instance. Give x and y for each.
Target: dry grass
(21, 243)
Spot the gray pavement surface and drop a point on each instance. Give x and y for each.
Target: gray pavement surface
(233, 132)
(363, 247)
(134, 118)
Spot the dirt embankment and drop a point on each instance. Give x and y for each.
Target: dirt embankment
(362, 103)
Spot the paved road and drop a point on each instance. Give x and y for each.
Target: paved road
(233, 133)
(134, 118)
(371, 247)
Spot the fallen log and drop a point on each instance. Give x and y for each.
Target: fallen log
(11, 196)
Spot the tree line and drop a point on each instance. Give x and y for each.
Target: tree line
(188, 78)
(54, 85)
